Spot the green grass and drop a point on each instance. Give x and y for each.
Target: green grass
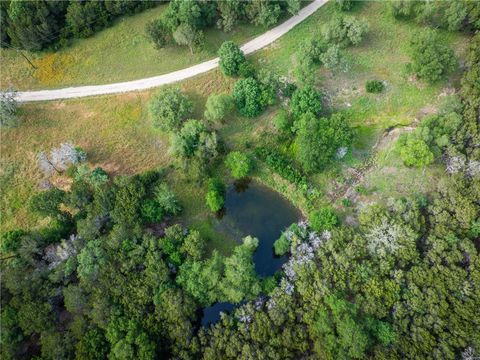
(119, 53)
(117, 135)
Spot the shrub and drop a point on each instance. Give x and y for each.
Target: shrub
(282, 121)
(218, 106)
(334, 59)
(281, 246)
(414, 152)
(215, 197)
(47, 203)
(168, 108)
(248, 97)
(323, 219)
(231, 58)
(281, 165)
(374, 86)
(306, 100)
(239, 164)
(187, 35)
(432, 59)
(345, 30)
(158, 33)
(345, 5)
(319, 139)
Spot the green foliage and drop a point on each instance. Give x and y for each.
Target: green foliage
(334, 59)
(282, 121)
(158, 33)
(345, 5)
(318, 140)
(345, 30)
(11, 240)
(281, 165)
(239, 164)
(187, 35)
(247, 95)
(168, 109)
(323, 219)
(281, 246)
(240, 281)
(47, 203)
(414, 152)
(308, 58)
(215, 197)
(306, 100)
(432, 59)
(374, 86)
(217, 107)
(231, 58)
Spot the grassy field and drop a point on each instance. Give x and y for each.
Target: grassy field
(117, 135)
(119, 53)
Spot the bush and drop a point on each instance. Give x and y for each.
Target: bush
(281, 165)
(248, 97)
(231, 58)
(323, 219)
(168, 108)
(281, 246)
(158, 33)
(306, 100)
(47, 203)
(334, 59)
(282, 121)
(414, 152)
(215, 197)
(239, 164)
(187, 35)
(319, 139)
(345, 5)
(374, 86)
(218, 106)
(432, 59)
(345, 30)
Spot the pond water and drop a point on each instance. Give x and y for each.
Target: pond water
(253, 209)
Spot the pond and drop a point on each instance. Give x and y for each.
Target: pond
(253, 209)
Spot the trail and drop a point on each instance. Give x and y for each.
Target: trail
(256, 44)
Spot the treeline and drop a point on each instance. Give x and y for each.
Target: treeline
(39, 24)
(185, 20)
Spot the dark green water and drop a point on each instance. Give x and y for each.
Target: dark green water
(254, 209)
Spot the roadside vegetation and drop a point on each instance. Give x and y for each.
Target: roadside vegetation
(110, 203)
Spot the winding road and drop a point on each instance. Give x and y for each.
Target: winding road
(256, 44)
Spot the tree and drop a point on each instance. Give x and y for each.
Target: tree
(188, 36)
(231, 58)
(229, 13)
(168, 109)
(323, 219)
(306, 100)
(194, 141)
(8, 109)
(345, 30)
(158, 33)
(218, 106)
(239, 164)
(432, 59)
(248, 97)
(414, 152)
(282, 121)
(263, 12)
(193, 245)
(293, 6)
(319, 139)
(334, 59)
(47, 203)
(215, 197)
(240, 281)
(202, 279)
(85, 18)
(33, 25)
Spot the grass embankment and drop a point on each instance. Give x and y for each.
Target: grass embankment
(116, 133)
(119, 53)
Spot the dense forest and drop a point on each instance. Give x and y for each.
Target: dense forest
(113, 275)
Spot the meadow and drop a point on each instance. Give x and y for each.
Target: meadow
(116, 133)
